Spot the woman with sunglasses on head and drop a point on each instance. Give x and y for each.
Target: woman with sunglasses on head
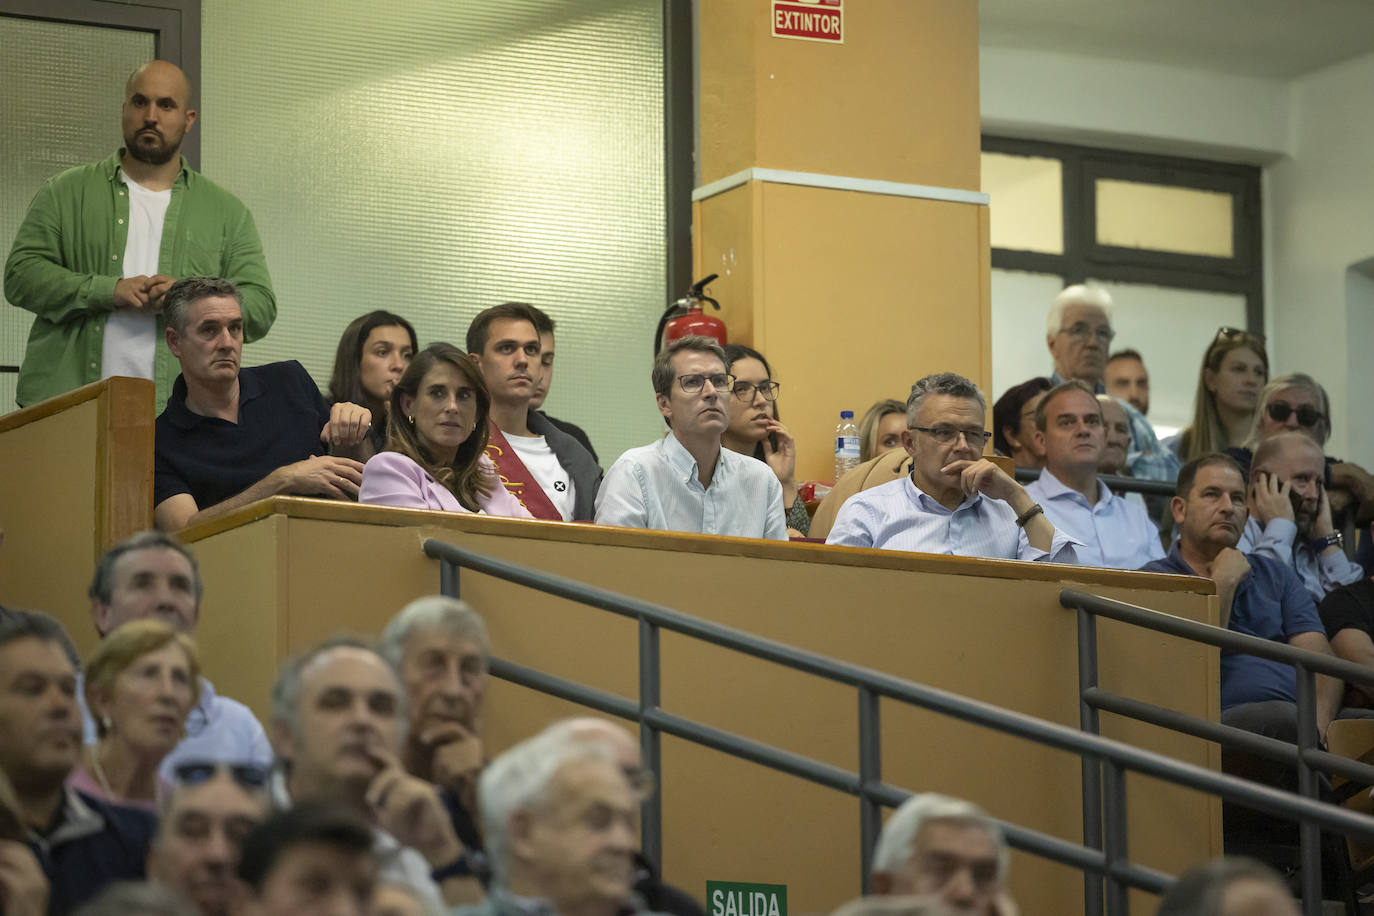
(374, 351)
(436, 439)
(139, 685)
(754, 428)
(1234, 369)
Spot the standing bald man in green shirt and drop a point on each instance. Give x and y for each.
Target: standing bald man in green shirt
(102, 242)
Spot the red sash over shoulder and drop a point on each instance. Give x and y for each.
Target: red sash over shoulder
(516, 478)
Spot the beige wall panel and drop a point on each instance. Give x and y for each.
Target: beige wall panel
(994, 631)
(864, 294)
(897, 101)
(724, 227)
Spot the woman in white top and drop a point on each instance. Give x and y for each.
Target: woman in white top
(436, 439)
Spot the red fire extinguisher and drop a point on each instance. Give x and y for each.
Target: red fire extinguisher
(685, 317)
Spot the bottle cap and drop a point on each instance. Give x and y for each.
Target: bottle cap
(846, 414)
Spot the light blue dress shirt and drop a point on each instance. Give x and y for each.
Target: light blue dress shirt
(656, 486)
(1279, 540)
(1114, 533)
(898, 516)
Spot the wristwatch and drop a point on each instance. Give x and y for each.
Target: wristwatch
(1334, 539)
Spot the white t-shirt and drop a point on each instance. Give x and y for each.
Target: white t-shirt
(130, 343)
(534, 451)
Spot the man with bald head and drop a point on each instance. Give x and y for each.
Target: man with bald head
(102, 243)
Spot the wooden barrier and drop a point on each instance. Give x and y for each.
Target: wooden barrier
(76, 476)
(284, 573)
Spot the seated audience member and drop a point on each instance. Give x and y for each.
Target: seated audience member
(313, 859)
(1348, 615)
(1298, 403)
(210, 809)
(687, 481)
(233, 435)
(880, 430)
(1232, 886)
(153, 576)
(953, 501)
(544, 325)
(1256, 595)
(440, 647)
(140, 685)
(337, 725)
(944, 847)
(1234, 369)
(1107, 530)
(1126, 378)
(657, 896)
(373, 353)
(1078, 331)
(754, 428)
(1290, 514)
(559, 819)
(77, 844)
(437, 433)
(136, 898)
(1013, 422)
(548, 470)
(1117, 427)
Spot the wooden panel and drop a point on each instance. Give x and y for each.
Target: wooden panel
(991, 630)
(864, 294)
(725, 228)
(124, 457)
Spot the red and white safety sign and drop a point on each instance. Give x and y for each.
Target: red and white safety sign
(809, 20)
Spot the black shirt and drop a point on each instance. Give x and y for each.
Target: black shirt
(1350, 607)
(281, 413)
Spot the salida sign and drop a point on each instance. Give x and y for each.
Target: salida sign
(809, 20)
(734, 898)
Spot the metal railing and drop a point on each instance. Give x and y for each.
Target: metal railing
(1114, 483)
(1305, 756)
(1108, 858)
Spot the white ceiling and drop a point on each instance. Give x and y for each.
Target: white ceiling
(1277, 39)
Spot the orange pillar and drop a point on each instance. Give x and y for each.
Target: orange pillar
(838, 200)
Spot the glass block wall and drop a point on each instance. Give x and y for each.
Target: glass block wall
(434, 158)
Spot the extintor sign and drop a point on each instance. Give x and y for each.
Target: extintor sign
(809, 20)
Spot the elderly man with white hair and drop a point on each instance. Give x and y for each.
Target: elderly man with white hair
(440, 646)
(560, 819)
(944, 847)
(1078, 332)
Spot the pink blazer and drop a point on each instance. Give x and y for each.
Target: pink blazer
(392, 479)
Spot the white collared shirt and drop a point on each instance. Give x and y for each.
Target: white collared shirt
(1114, 533)
(657, 486)
(899, 516)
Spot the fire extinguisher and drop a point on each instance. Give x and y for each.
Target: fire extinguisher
(685, 317)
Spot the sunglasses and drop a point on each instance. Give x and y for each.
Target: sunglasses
(195, 772)
(1279, 412)
(1228, 335)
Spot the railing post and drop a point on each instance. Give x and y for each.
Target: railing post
(651, 810)
(870, 773)
(1114, 840)
(1092, 768)
(1309, 835)
(448, 578)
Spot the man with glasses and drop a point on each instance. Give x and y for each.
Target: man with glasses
(1110, 531)
(954, 501)
(1079, 334)
(548, 470)
(210, 810)
(686, 481)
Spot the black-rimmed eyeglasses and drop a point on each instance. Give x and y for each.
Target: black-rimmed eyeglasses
(946, 435)
(694, 383)
(745, 390)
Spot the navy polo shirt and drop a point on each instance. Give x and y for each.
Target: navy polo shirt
(1270, 603)
(91, 844)
(281, 413)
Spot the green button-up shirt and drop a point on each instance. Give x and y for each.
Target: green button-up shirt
(69, 253)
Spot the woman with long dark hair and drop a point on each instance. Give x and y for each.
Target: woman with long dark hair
(754, 428)
(373, 353)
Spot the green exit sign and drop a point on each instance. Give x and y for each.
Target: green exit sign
(734, 898)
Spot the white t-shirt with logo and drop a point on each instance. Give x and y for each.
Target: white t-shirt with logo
(130, 343)
(534, 451)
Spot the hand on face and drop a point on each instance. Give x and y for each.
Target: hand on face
(1270, 498)
(410, 810)
(23, 886)
(1229, 567)
(783, 458)
(982, 476)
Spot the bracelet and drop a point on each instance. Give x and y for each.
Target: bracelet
(1029, 514)
(1334, 539)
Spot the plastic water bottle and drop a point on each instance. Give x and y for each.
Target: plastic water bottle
(846, 444)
